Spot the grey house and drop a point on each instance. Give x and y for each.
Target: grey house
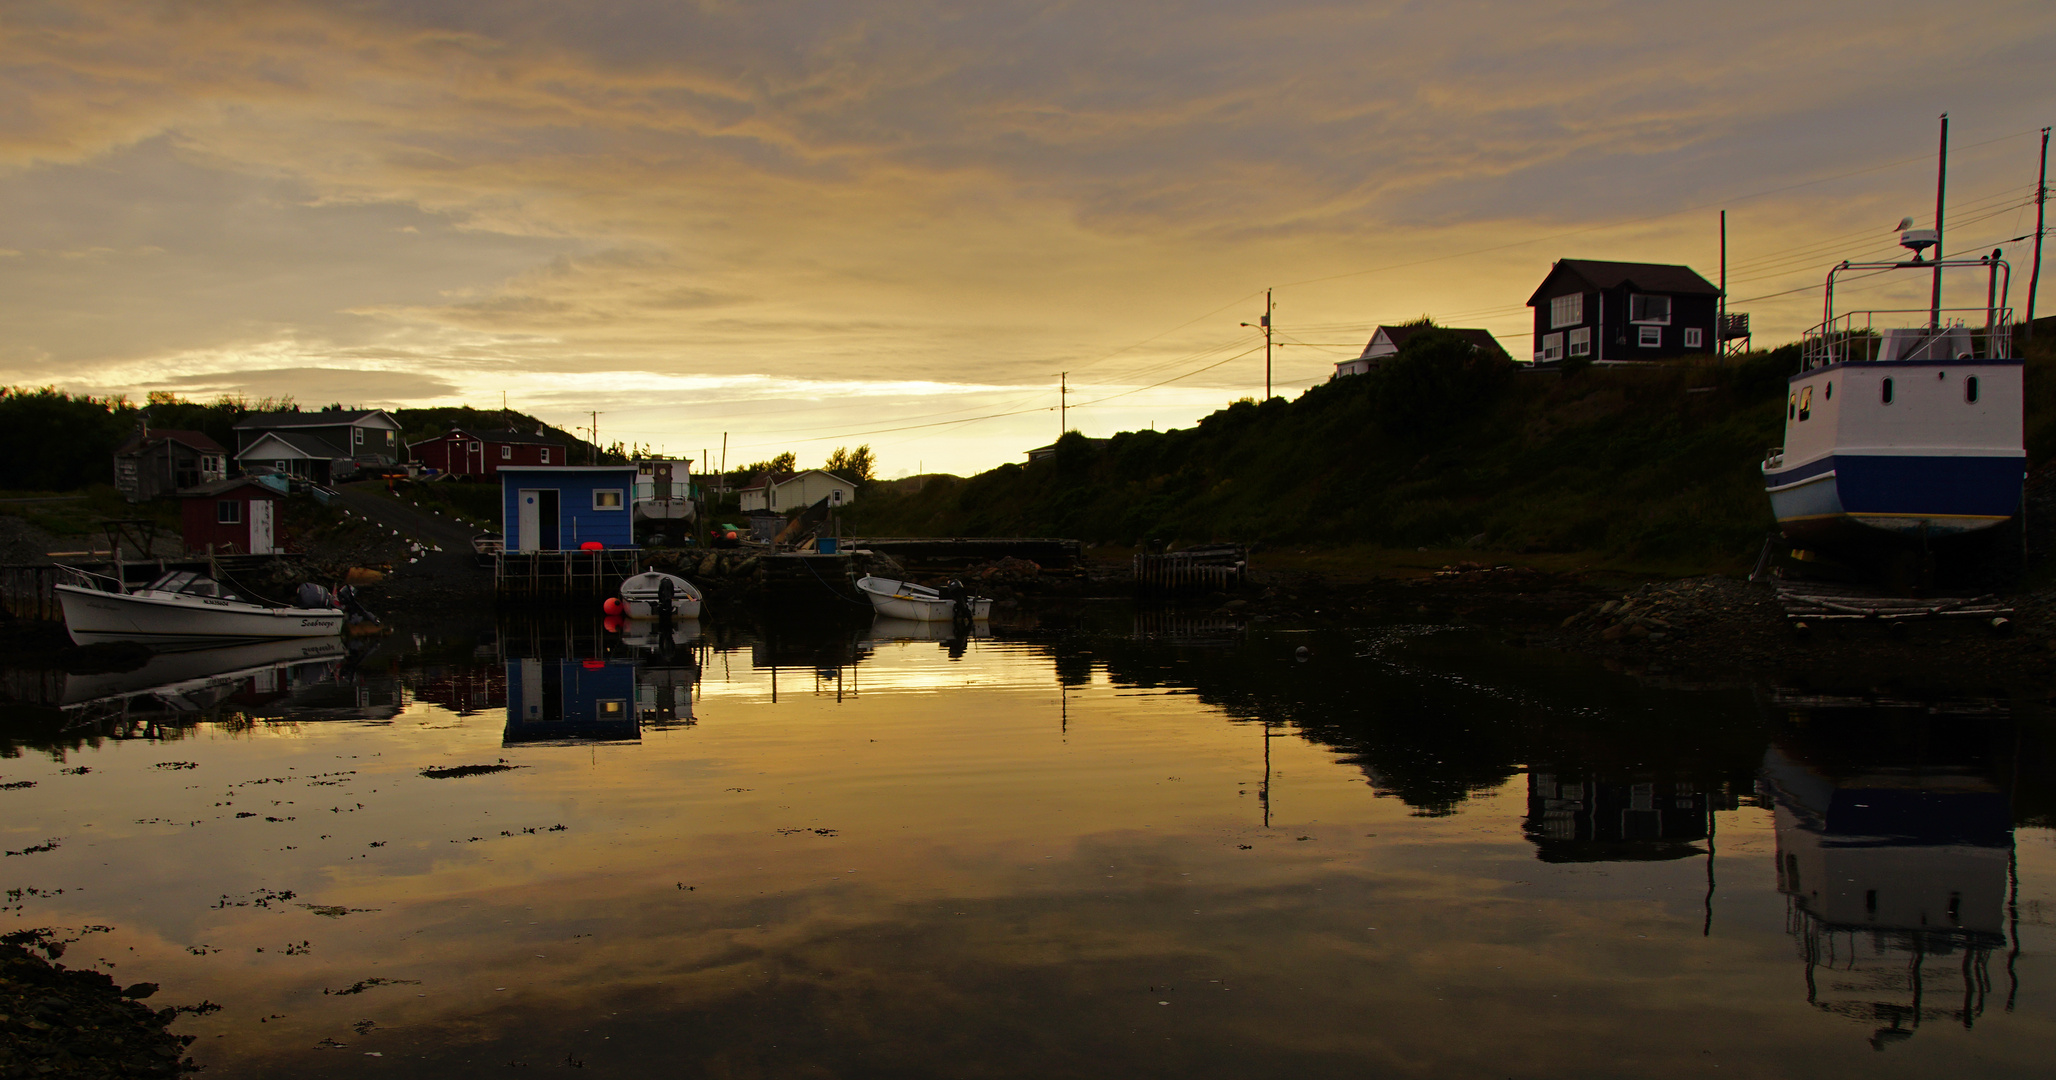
(323, 446)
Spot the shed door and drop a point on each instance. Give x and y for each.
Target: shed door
(260, 527)
(538, 521)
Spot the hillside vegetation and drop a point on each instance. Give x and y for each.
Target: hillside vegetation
(1439, 449)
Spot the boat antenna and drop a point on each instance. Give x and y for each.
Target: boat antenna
(1941, 182)
(2034, 278)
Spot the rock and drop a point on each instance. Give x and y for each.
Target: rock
(1609, 607)
(1613, 633)
(1638, 630)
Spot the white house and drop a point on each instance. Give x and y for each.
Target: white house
(1387, 340)
(795, 491)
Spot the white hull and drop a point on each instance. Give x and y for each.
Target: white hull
(639, 596)
(173, 621)
(919, 603)
(174, 676)
(886, 628)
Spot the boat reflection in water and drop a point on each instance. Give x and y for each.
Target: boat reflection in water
(1897, 872)
(264, 680)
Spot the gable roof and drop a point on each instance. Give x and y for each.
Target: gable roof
(323, 418)
(219, 487)
(493, 435)
(1641, 277)
(1398, 335)
(305, 445)
(191, 439)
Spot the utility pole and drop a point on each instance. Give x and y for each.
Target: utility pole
(1941, 183)
(595, 432)
(1063, 401)
(2034, 279)
(1264, 323)
(1720, 329)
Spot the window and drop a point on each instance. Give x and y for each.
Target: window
(228, 512)
(1888, 391)
(357, 435)
(1649, 309)
(1649, 337)
(1552, 347)
(1829, 392)
(476, 447)
(607, 499)
(506, 453)
(1581, 341)
(1566, 311)
(1970, 389)
(1806, 403)
(1694, 337)
(546, 455)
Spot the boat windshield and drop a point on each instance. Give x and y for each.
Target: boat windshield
(186, 583)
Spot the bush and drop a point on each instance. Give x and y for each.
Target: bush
(1437, 378)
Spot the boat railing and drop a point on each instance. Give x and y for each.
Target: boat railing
(86, 579)
(1911, 335)
(648, 489)
(1774, 458)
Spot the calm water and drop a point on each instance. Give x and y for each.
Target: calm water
(1127, 845)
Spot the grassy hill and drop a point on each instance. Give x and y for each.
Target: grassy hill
(1657, 465)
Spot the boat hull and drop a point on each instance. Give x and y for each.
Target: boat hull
(93, 617)
(903, 600)
(1844, 497)
(640, 597)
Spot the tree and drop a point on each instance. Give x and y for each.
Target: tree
(857, 465)
(1438, 379)
(783, 463)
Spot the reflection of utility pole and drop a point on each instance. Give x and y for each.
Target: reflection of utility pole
(1263, 791)
(1712, 825)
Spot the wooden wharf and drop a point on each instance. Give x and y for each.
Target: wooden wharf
(545, 577)
(1214, 568)
(956, 553)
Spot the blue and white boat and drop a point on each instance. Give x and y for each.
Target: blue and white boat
(1903, 426)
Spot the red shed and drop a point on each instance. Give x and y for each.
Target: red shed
(479, 453)
(237, 516)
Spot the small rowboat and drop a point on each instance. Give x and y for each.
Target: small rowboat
(644, 595)
(906, 600)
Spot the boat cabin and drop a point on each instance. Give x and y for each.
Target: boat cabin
(565, 507)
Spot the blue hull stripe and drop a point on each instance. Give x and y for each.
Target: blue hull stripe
(1868, 484)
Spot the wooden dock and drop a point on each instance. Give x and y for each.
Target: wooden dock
(1214, 568)
(547, 577)
(956, 553)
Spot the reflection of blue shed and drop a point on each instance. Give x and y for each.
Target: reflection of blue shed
(561, 507)
(570, 701)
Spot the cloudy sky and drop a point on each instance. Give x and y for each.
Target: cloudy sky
(811, 224)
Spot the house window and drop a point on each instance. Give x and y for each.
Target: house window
(1649, 337)
(228, 512)
(546, 455)
(1694, 337)
(1649, 309)
(607, 499)
(1552, 347)
(506, 453)
(1581, 341)
(1566, 311)
(357, 434)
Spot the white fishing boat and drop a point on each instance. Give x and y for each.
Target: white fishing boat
(662, 497)
(1903, 426)
(184, 609)
(887, 628)
(644, 596)
(906, 600)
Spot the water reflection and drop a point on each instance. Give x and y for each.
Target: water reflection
(1895, 853)
(1596, 820)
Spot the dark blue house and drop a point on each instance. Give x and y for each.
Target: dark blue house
(570, 701)
(561, 507)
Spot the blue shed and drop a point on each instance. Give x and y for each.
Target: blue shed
(560, 507)
(570, 701)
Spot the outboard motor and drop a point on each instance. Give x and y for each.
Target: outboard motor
(667, 602)
(960, 607)
(346, 598)
(312, 596)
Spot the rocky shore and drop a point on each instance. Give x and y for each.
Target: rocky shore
(61, 1022)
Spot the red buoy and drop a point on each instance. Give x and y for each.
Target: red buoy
(613, 623)
(592, 545)
(613, 605)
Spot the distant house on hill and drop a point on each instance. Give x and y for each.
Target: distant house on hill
(780, 492)
(1386, 340)
(321, 446)
(1616, 311)
(162, 462)
(1044, 453)
(483, 452)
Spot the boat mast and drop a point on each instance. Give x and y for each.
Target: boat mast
(2034, 279)
(1941, 182)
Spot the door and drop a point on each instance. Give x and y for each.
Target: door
(260, 527)
(537, 523)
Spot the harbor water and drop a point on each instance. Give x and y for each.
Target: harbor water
(1114, 843)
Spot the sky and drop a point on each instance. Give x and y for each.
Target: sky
(799, 225)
